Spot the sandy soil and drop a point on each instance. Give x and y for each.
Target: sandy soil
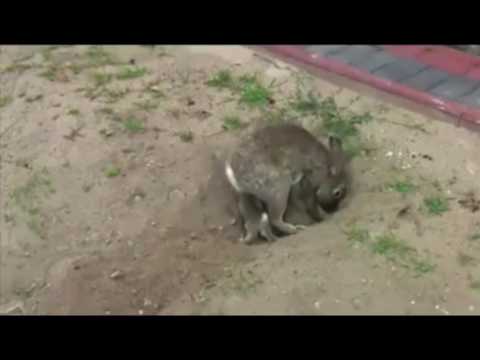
(113, 199)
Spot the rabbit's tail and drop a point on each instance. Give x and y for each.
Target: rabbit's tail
(231, 177)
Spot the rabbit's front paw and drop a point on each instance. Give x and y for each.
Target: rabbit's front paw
(246, 239)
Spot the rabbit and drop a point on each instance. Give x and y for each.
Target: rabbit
(273, 161)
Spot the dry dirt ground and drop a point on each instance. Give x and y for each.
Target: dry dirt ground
(113, 199)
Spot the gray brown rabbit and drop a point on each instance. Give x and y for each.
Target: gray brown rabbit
(281, 166)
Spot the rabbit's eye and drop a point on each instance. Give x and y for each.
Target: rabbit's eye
(337, 193)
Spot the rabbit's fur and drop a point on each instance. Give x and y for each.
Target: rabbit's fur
(282, 166)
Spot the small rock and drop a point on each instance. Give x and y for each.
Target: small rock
(140, 312)
(87, 187)
(233, 221)
(176, 195)
(412, 302)
(116, 275)
(471, 308)
(317, 304)
(193, 236)
(107, 132)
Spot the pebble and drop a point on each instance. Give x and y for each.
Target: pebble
(140, 312)
(471, 308)
(12, 308)
(107, 312)
(116, 275)
(317, 304)
(356, 303)
(412, 302)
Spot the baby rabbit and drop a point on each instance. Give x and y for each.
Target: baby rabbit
(282, 162)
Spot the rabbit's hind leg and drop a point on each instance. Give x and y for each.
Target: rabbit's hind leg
(266, 229)
(255, 219)
(277, 202)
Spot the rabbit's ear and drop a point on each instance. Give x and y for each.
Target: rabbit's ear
(338, 157)
(333, 169)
